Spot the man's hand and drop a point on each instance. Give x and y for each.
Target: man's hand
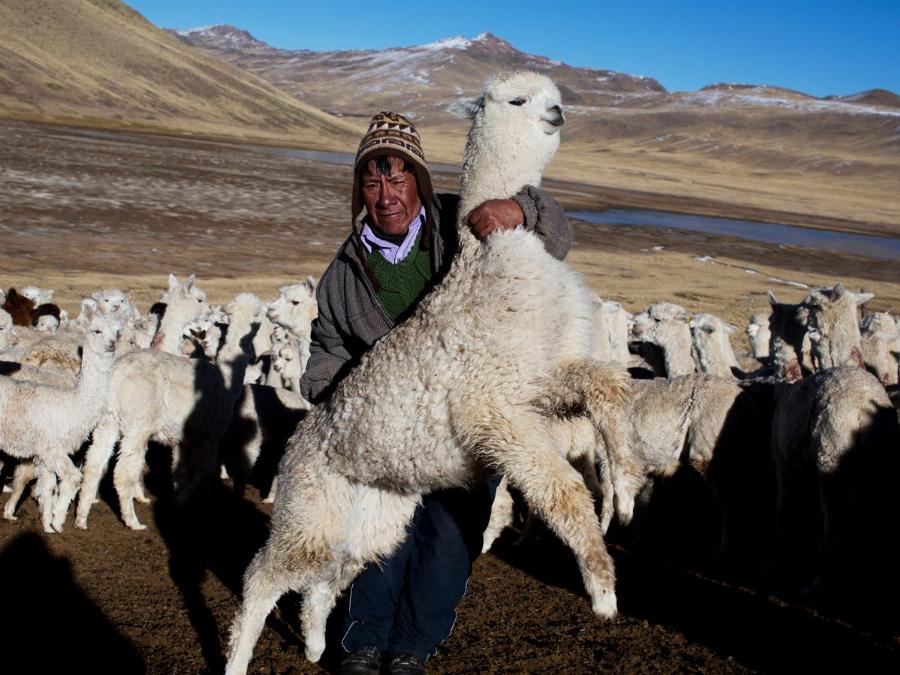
(495, 214)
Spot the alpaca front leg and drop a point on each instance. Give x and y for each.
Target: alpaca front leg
(45, 492)
(96, 462)
(127, 476)
(264, 582)
(23, 475)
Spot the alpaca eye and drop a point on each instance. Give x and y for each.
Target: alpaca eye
(517, 101)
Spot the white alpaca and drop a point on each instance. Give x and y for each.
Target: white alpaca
(759, 335)
(48, 423)
(835, 440)
(47, 324)
(448, 394)
(6, 332)
(114, 301)
(38, 296)
(834, 326)
(184, 303)
(184, 403)
(667, 326)
(709, 335)
(881, 346)
(613, 329)
(294, 310)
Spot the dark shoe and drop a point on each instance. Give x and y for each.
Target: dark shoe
(406, 664)
(364, 661)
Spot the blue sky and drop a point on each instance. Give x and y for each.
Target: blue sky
(823, 47)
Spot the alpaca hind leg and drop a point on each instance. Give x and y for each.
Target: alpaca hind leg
(521, 446)
(23, 475)
(127, 475)
(69, 480)
(96, 462)
(318, 601)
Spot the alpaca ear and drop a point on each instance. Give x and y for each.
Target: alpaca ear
(466, 107)
(772, 299)
(861, 298)
(173, 282)
(311, 285)
(190, 282)
(88, 312)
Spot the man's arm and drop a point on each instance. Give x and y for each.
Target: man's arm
(546, 219)
(328, 353)
(534, 210)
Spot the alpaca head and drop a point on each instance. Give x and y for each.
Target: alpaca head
(110, 300)
(709, 335)
(520, 110)
(47, 323)
(759, 335)
(188, 288)
(38, 296)
(834, 326)
(296, 307)
(101, 333)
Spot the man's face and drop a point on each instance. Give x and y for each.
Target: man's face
(392, 201)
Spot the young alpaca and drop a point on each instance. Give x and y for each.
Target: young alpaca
(759, 335)
(834, 327)
(184, 403)
(666, 326)
(448, 395)
(835, 443)
(712, 346)
(6, 334)
(48, 424)
(881, 346)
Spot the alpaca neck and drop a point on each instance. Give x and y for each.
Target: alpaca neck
(787, 365)
(92, 386)
(678, 360)
(234, 356)
(171, 327)
(493, 167)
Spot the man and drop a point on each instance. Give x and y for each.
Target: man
(402, 242)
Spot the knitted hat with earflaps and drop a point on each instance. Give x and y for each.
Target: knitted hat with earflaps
(392, 134)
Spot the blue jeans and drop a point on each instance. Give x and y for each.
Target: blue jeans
(408, 603)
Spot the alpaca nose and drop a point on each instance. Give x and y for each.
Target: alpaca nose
(556, 117)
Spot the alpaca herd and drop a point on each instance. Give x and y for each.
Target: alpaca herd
(571, 397)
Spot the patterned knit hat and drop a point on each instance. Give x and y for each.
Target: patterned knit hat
(393, 134)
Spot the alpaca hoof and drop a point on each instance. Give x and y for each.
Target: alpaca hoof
(141, 498)
(6, 488)
(9, 515)
(134, 524)
(270, 499)
(604, 605)
(314, 652)
(81, 522)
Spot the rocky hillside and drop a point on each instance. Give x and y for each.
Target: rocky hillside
(100, 63)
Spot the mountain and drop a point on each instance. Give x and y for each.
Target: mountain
(422, 81)
(100, 63)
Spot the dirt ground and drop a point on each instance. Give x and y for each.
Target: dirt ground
(80, 212)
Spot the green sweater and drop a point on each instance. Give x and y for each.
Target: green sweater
(401, 285)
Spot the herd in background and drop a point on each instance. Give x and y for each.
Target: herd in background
(199, 379)
(219, 386)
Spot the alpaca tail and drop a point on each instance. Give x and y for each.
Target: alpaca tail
(602, 391)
